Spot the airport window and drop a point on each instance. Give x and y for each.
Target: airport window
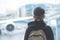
(58, 28)
(58, 22)
(28, 12)
(19, 12)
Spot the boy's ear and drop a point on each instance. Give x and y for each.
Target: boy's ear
(43, 16)
(34, 17)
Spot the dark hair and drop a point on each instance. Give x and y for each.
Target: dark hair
(39, 11)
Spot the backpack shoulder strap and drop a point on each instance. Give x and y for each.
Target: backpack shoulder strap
(49, 33)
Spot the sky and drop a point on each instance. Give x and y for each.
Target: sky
(15, 4)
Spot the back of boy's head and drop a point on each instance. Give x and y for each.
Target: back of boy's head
(39, 11)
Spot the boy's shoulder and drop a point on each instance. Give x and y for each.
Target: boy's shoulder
(32, 23)
(48, 27)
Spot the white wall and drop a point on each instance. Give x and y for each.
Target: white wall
(15, 4)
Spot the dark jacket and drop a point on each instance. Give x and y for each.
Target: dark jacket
(35, 25)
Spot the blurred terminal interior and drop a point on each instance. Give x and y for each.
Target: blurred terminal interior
(14, 23)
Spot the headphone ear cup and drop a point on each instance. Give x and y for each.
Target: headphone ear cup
(10, 27)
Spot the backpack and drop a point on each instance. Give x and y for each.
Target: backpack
(37, 35)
